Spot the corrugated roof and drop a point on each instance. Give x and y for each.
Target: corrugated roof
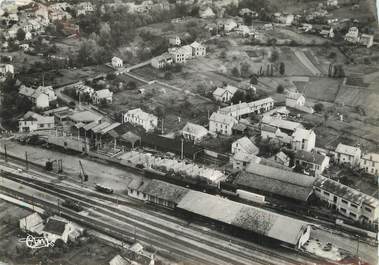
(279, 227)
(345, 192)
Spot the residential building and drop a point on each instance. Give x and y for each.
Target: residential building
(243, 109)
(277, 128)
(347, 201)
(49, 91)
(162, 61)
(331, 2)
(194, 132)
(282, 159)
(220, 123)
(39, 99)
(83, 89)
(57, 228)
(244, 145)
(102, 95)
(224, 94)
(286, 19)
(32, 121)
(198, 49)
(313, 162)
(174, 41)
(181, 54)
(84, 7)
(370, 163)
(367, 40)
(353, 35)
(138, 117)
(241, 160)
(229, 25)
(6, 68)
(296, 100)
(303, 139)
(32, 223)
(348, 154)
(206, 13)
(117, 62)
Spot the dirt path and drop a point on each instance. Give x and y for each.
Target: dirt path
(307, 63)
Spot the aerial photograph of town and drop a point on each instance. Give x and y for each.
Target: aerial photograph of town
(189, 132)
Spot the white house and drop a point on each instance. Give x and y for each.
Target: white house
(279, 129)
(303, 139)
(6, 68)
(286, 19)
(282, 159)
(294, 99)
(224, 94)
(220, 123)
(181, 54)
(370, 163)
(331, 2)
(32, 121)
(103, 94)
(243, 109)
(348, 154)
(244, 145)
(353, 35)
(312, 161)
(49, 91)
(162, 60)
(39, 99)
(117, 62)
(84, 8)
(194, 132)
(229, 25)
(32, 223)
(174, 41)
(367, 40)
(241, 160)
(138, 117)
(198, 49)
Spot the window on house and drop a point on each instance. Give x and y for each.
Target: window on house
(317, 189)
(353, 215)
(343, 210)
(373, 163)
(354, 205)
(368, 209)
(364, 162)
(326, 193)
(343, 201)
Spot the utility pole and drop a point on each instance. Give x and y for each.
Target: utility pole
(162, 124)
(5, 153)
(181, 149)
(26, 161)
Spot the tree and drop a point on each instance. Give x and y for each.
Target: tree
(131, 85)
(235, 72)
(248, 20)
(319, 107)
(282, 68)
(245, 70)
(253, 80)
(238, 96)
(280, 89)
(20, 35)
(274, 56)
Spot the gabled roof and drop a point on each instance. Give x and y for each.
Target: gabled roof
(194, 129)
(300, 134)
(310, 157)
(347, 149)
(261, 102)
(281, 124)
(221, 118)
(55, 226)
(258, 220)
(85, 116)
(345, 192)
(247, 145)
(371, 157)
(163, 190)
(294, 95)
(141, 114)
(276, 181)
(103, 93)
(32, 116)
(196, 45)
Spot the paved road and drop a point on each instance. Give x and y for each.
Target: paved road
(366, 252)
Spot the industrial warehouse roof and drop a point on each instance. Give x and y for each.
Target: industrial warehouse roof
(276, 181)
(168, 144)
(163, 190)
(85, 116)
(345, 192)
(260, 221)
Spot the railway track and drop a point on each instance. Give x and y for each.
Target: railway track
(146, 224)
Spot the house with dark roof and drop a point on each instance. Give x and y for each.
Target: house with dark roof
(32, 121)
(157, 192)
(258, 221)
(312, 161)
(275, 182)
(349, 202)
(244, 145)
(57, 228)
